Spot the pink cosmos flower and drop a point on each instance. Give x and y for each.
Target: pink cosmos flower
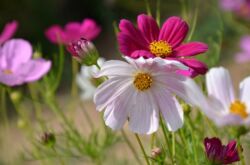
(239, 7)
(149, 41)
(8, 31)
(221, 154)
(16, 65)
(88, 29)
(244, 55)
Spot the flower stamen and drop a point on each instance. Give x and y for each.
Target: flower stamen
(7, 71)
(160, 48)
(239, 108)
(143, 81)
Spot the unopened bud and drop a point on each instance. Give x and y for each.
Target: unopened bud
(155, 152)
(16, 96)
(83, 51)
(48, 139)
(21, 123)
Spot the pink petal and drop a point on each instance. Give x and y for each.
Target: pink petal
(34, 69)
(148, 26)
(72, 31)
(141, 53)
(55, 34)
(89, 29)
(198, 66)
(190, 49)
(128, 44)
(242, 57)
(8, 31)
(244, 43)
(174, 31)
(131, 38)
(11, 79)
(15, 52)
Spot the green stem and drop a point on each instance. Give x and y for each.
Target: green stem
(153, 140)
(194, 22)
(242, 160)
(166, 139)
(148, 7)
(142, 148)
(158, 12)
(130, 145)
(74, 73)
(87, 117)
(3, 112)
(60, 159)
(173, 148)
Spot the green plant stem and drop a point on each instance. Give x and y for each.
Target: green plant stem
(166, 139)
(173, 148)
(60, 159)
(3, 111)
(74, 73)
(152, 140)
(130, 145)
(148, 7)
(142, 148)
(194, 23)
(87, 117)
(242, 160)
(158, 12)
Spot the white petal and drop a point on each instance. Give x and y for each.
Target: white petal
(109, 90)
(87, 88)
(170, 109)
(245, 92)
(115, 68)
(116, 113)
(144, 116)
(182, 86)
(219, 85)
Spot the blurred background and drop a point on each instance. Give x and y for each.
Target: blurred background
(219, 28)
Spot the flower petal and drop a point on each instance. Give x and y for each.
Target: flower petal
(242, 57)
(116, 113)
(170, 109)
(15, 52)
(148, 26)
(141, 53)
(245, 92)
(89, 29)
(197, 67)
(144, 116)
(190, 49)
(34, 69)
(109, 91)
(55, 34)
(219, 85)
(174, 31)
(8, 31)
(11, 79)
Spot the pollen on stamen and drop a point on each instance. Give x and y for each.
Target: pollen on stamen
(239, 108)
(160, 48)
(143, 81)
(7, 71)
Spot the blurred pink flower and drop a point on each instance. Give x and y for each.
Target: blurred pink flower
(221, 154)
(149, 41)
(16, 65)
(8, 31)
(239, 7)
(244, 54)
(72, 31)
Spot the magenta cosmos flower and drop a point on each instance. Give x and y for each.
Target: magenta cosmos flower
(149, 41)
(72, 31)
(221, 154)
(8, 31)
(16, 65)
(244, 55)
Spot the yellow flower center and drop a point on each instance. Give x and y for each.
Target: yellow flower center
(7, 71)
(143, 81)
(239, 108)
(160, 48)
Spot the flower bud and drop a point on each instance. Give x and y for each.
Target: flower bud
(155, 152)
(16, 96)
(48, 139)
(83, 51)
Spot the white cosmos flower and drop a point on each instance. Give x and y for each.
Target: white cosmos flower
(223, 107)
(142, 89)
(85, 80)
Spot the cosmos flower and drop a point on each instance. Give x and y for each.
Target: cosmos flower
(221, 154)
(8, 31)
(148, 41)
(72, 31)
(224, 107)
(239, 7)
(86, 81)
(244, 55)
(139, 90)
(16, 65)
